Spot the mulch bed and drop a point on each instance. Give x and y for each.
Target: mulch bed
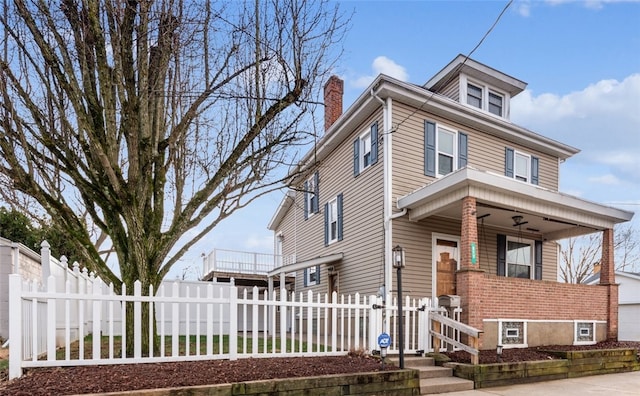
(536, 353)
(120, 378)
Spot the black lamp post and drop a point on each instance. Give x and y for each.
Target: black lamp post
(398, 263)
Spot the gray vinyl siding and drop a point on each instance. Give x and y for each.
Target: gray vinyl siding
(485, 152)
(361, 269)
(452, 90)
(416, 238)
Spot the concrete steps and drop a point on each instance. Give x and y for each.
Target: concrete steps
(434, 379)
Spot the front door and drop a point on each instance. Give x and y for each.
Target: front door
(446, 264)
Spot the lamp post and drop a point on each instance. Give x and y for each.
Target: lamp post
(398, 263)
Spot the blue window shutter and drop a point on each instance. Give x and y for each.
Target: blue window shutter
(326, 224)
(317, 274)
(339, 225)
(534, 170)
(502, 255)
(462, 149)
(304, 277)
(537, 252)
(374, 143)
(316, 185)
(356, 157)
(306, 200)
(508, 162)
(430, 149)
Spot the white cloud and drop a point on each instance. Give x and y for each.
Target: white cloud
(592, 4)
(259, 243)
(523, 8)
(603, 121)
(605, 179)
(382, 65)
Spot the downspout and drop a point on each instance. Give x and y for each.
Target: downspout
(387, 189)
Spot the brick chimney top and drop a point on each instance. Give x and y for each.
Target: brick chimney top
(333, 91)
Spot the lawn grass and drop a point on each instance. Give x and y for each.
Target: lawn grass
(218, 348)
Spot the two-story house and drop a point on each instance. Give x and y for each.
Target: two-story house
(440, 170)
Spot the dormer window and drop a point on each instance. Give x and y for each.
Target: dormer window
(485, 98)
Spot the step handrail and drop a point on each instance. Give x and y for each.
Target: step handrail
(472, 332)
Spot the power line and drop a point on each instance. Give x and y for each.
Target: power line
(457, 67)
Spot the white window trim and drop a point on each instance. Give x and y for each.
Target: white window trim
(464, 80)
(524, 335)
(333, 201)
(311, 192)
(531, 264)
(455, 149)
(516, 153)
(575, 332)
(308, 280)
(362, 152)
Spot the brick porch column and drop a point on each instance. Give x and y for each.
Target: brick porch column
(608, 280)
(470, 278)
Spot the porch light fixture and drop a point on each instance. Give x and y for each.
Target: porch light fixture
(517, 219)
(499, 353)
(398, 257)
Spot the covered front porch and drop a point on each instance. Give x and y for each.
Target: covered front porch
(506, 273)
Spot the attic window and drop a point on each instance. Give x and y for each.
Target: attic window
(485, 98)
(474, 96)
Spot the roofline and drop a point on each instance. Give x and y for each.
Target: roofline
(306, 264)
(286, 202)
(385, 86)
(518, 85)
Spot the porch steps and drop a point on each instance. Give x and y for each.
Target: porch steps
(434, 379)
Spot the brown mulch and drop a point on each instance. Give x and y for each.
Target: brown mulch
(536, 353)
(120, 378)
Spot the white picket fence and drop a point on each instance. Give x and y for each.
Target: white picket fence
(218, 325)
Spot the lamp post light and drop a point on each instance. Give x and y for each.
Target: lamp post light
(398, 263)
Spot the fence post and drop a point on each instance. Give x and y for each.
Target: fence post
(97, 317)
(375, 322)
(233, 324)
(45, 261)
(51, 320)
(15, 326)
(137, 320)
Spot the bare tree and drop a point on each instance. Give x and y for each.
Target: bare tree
(580, 257)
(157, 118)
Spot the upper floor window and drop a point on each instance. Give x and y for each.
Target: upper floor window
(495, 104)
(474, 96)
(365, 150)
(311, 195)
(445, 150)
(333, 220)
(521, 166)
(485, 98)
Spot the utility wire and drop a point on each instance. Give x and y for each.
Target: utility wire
(457, 68)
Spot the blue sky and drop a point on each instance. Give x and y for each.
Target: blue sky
(581, 60)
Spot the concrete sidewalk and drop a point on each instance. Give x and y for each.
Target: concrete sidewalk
(607, 384)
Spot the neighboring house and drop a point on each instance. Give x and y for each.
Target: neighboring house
(472, 198)
(628, 303)
(15, 258)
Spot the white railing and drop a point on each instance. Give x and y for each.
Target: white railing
(234, 261)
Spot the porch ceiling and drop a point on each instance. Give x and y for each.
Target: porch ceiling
(550, 214)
